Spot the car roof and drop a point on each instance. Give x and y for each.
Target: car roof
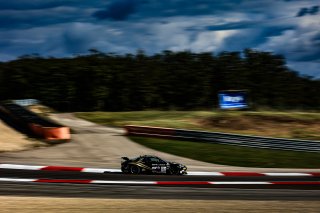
(149, 156)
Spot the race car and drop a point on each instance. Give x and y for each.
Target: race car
(152, 165)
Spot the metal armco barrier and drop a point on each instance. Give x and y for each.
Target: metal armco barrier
(150, 130)
(227, 139)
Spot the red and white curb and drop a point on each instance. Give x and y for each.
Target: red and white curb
(100, 170)
(57, 168)
(108, 182)
(256, 174)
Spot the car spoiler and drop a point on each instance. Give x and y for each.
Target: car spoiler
(125, 158)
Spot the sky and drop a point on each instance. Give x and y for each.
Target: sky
(65, 28)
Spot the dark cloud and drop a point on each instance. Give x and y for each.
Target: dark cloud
(250, 37)
(232, 26)
(250, 33)
(314, 10)
(32, 4)
(308, 11)
(303, 12)
(270, 29)
(23, 14)
(78, 38)
(16, 19)
(122, 9)
(66, 27)
(44, 4)
(310, 52)
(118, 10)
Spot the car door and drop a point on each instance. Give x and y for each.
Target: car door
(158, 165)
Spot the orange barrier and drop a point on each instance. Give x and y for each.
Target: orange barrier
(56, 133)
(51, 133)
(36, 129)
(36, 125)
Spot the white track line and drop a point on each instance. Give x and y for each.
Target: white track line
(240, 183)
(17, 166)
(93, 170)
(286, 174)
(168, 183)
(206, 173)
(124, 182)
(18, 179)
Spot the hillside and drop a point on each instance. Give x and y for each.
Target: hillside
(11, 140)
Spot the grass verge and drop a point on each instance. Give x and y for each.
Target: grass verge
(232, 155)
(299, 125)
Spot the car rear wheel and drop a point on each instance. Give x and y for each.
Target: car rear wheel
(135, 170)
(124, 170)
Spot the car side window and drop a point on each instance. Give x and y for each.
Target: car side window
(156, 160)
(161, 161)
(146, 160)
(153, 160)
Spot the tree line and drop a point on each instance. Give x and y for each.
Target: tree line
(167, 80)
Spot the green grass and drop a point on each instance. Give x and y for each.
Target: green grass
(232, 155)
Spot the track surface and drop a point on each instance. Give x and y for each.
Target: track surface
(201, 192)
(13, 173)
(152, 192)
(97, 146)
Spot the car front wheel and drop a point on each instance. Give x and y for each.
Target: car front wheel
(174, 172)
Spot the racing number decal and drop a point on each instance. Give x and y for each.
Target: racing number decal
(163, 169)
(159, 168)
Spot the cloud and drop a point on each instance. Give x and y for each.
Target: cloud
(13, 19)
(79, 37)
(43, 4)
(301, 43)
(308, 11)
(212, 41)
(118, 10)
(31, 4)
(306, 68)
(67, 27)
(42, 40)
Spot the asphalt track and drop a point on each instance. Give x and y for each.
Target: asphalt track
(200, 192)
(152, 192)
(15, 173)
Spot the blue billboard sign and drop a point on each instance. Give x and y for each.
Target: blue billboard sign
(233, 99)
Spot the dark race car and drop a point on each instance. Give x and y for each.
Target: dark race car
(152, 165)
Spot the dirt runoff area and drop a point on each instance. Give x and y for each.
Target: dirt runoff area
(11, 140)
(69, 205)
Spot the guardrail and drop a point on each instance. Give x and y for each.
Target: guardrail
(227, 139)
